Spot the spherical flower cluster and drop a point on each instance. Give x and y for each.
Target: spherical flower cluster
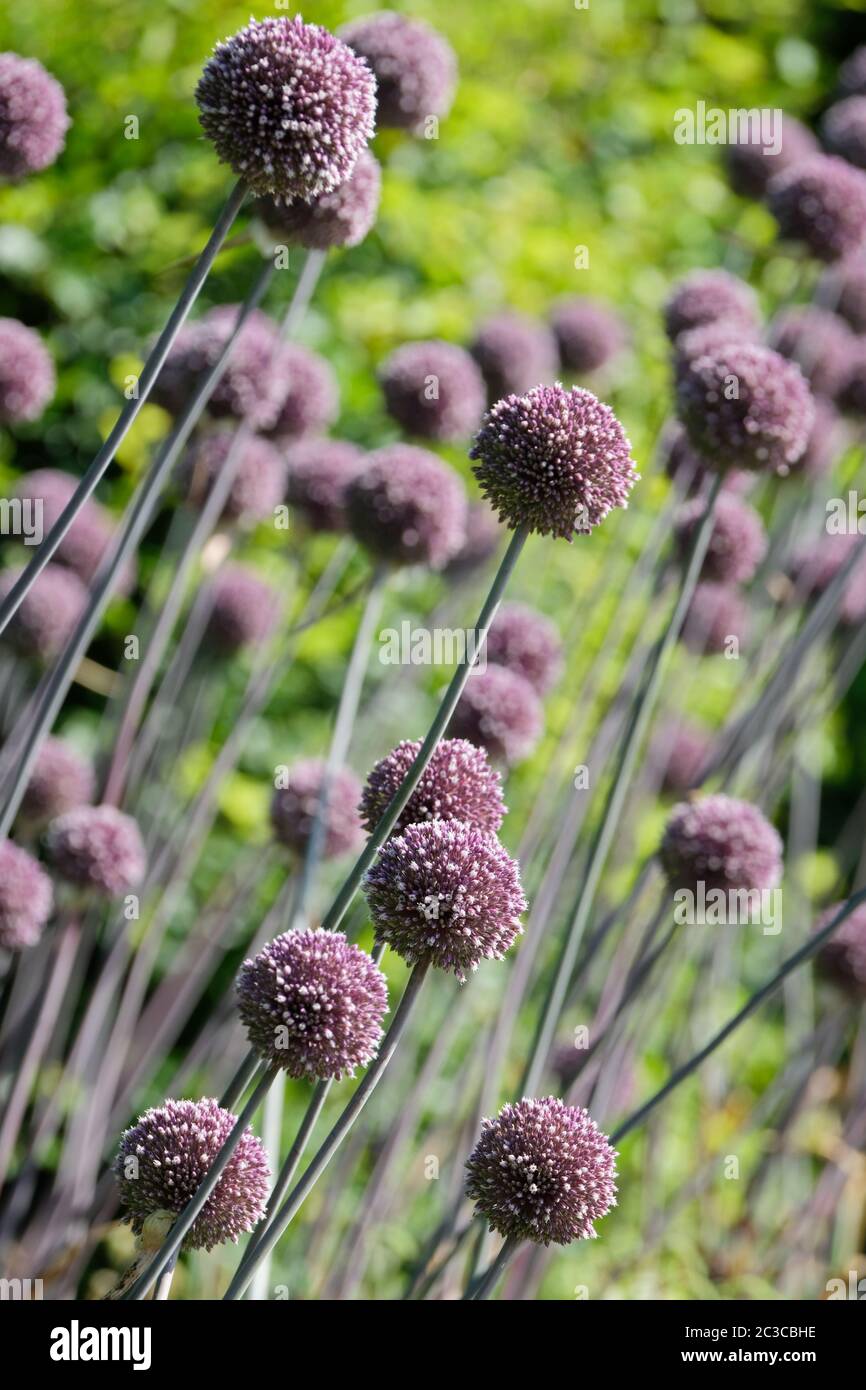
(342, 217)
(408, 507)
(738, 542)
(164, 1158)
(710, 338)
(288, 106)
(852, 395)
(310, 399)
(259, 474)
(815, 567)
(47, 616)
(447, 893)
(295, 809)
(525, 641)
(844, 130)
(722, 843)
(819, 342)
(843, 955)
(252, 385)
(680, 754)
(26, 898)
(415, 69)
(313, 1004)
(33, 117)
(542, 1171)
(588, 334)
(844, 286)
(821, 202)
(84, 546)
(483, 534)
(499, 711)
(319, 472)
(716, 614)
(27, 378)
(852, 73)
(97, 847)
(458, 783)
(61, 780)
(553, 460)
(685, 467)
(752, 163)
(433, 390)
(514, 353)
(706, 296)
(746, 407)
(244, 611)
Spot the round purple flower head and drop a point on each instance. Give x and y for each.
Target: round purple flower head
(818, 341)
(33, 118)
(499, 711)
(457, 784)
(61, 780)
(685, 466)
(259, 479)
(525, 641)
(415, 69)
(294, 809)
(514, 353)
(542, 1171)
(408, 507)
(26, 898)
(433, 390)
(737, 541)
(587, 334)
(310, 400)
(680, 754)
(821, 202)
(245, 610)
(706, 296)
(844, 130)
(166, 1154)
(27, 377)
(313, 1005)
(844, 286)
(716, 614)
(746, 407)
(843, 955)
(721, 843)
(710, 338)
(447, 893)
(556, 461)
(815, 567)
(483, 534)
(752, 163)
(97, 847)
(49, 613)
(319, 473)
(252, 385)
(288, 106)
(342, 217)
(91, 533)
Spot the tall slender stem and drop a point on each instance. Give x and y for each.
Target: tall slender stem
(491, 1276)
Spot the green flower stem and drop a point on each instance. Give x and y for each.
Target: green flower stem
(485, 1285)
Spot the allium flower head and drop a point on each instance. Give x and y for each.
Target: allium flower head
(542, 1171)
(319, 472)
(433, 390)
(47, 616)
(716, 614)
(723, 844)
(408, 507)
(710, 338)
(706, 296)
(445, 892)
(97, 847)
(746, 407)
(499, 711)
(818, 341)
(815, 566)
(33, 118)
(288, 106)
(738, 542)
(527, 642)
(415, 68)
(61, 780)
(483, 534)
(556, 461)
(259, 474)
(458, 783)
(26, 898)
(752, 163)
(27, 378)
(852, 73)
(843, 955)
(844, 130)
(167, 1153)
(686, 467)
(252, 386)
(342, 217)
(514, 353)
(313, 1004)
(294, 809)
(821, 202)
(244, 610)
(310, 400)
(588, 334)
(680, 753)
(84, 546)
